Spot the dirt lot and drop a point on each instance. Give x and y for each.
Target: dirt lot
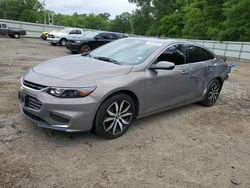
(192, 146)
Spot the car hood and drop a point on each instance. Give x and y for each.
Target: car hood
(80, 68)
(57, 33)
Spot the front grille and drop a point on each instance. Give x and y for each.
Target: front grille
(33, 85)
(32, 102)
(51, 36)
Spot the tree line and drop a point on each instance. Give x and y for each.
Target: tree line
(195, 19)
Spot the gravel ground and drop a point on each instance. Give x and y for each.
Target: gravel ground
(192, 146)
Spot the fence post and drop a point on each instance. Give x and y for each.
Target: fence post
(225, 49)
(213, 45)
(242, 44)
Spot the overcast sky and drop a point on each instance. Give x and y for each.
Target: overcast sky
(114, 7)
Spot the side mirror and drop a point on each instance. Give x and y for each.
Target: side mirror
(85, 54)
(163, 65)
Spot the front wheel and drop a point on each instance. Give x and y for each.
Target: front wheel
(85, 48)
(115, 116)
(212, 94)
(63, 42)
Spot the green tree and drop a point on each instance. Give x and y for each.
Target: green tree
(13, 9)
(203, 19)
(31, 16)
(237, 25)
(95, 22)
(172, 25)
(122, 23)
(105, 16)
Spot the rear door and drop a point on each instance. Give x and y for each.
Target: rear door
(75, 34)
(167, 88)
(197, 59)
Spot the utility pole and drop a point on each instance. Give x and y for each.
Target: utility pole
(44, 12)
(52, 17)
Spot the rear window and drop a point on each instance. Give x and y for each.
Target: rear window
(195, 54)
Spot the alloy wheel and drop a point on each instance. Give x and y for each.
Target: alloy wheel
(118, 117)
(214, 92)
(85, 49)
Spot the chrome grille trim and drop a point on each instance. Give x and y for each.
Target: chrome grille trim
(33, 85)
(51, 36)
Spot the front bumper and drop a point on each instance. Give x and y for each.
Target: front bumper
(74, 47)
(53, 40)
(69, 115)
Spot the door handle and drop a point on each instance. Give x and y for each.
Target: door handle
(209, 69)
(184, 72)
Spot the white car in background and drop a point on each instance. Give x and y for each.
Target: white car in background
(61, 37)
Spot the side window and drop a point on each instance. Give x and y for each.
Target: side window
(100, 36)
(209, 55)
(4, 26)
(195, 54)
(78, 32)
(0, 25)
(115, 36)
(174, 54)
(108, 36)
(72, 32)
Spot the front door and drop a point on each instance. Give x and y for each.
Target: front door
(167, 88)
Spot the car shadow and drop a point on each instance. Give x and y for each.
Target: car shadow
(89, 138)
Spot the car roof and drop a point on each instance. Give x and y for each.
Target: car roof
(165, 41)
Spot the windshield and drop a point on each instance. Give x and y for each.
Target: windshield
(127, 51)
(90, 34)
(66, 30)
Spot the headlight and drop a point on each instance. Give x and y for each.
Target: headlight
(71, 92)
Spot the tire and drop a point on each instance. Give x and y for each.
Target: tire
(212, 94)
(85, 48)
(114, 116)
(63, 42)
(16, 35)
(74, 52)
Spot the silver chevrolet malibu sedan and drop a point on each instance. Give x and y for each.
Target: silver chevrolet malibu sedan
(107, 89)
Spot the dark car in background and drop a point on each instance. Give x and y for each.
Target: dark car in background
(11, 32)
(91, 41)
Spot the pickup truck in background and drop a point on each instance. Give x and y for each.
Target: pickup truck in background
(11, 32)
(61, 37)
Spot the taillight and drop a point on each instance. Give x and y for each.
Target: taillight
(226, 65)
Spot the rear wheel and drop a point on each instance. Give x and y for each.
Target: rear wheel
(16, 35)
(213, 92)
(85, 48)
(115, 116)
(63, 42)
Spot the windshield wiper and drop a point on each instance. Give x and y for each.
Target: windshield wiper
(108, 60)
